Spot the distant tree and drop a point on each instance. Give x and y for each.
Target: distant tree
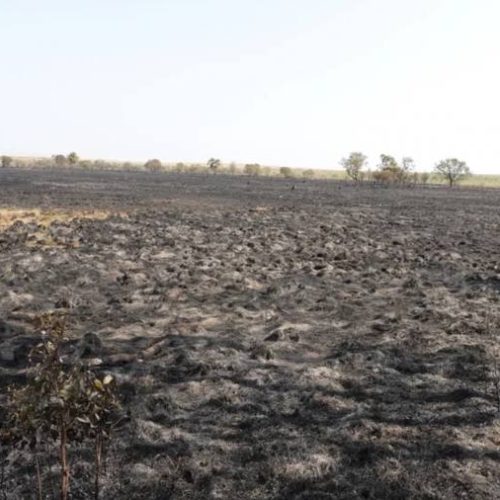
(214, 164)
(353, 165)
(73, 158)
(380, 176)
(452, 170)
(195, 167)
(6, 161)
(102, 165)
(179, 167)
(413, 177)
(388, 163)
(87, 164)
(59, 160)
(153, 165)
(233, 169)
(308, 174)
(286, 172)
(43, 163)
(407, 164)
(407, 170)
(252, 169)
(424, 178)
(390, 171)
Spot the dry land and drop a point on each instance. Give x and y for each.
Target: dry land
(271, 338)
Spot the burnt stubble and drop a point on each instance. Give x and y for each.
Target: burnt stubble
(325, 341)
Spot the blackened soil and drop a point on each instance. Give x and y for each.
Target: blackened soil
(271, 338)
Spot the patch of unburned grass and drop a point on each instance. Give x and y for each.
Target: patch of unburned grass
(9, 216)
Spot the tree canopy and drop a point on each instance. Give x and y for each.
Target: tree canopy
(452, 170)
(353, 165)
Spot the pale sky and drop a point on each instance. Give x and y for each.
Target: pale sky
(278, 82)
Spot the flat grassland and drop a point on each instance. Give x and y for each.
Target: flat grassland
(476, 180)
(271, 338)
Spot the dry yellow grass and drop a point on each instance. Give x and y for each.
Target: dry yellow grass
(45, 218)
(42, 237)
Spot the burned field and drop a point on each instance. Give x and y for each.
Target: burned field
(270, 338)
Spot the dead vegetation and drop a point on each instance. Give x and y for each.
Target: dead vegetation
(8, 217)
(325, 342)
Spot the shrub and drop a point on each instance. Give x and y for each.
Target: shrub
(308, 174)
(153, 165)
(286, 172)
(390, 171)
(214, 164)
(102, 165)
(61, 402)
(384, 176)
(86, 164)
(195, 168)
(73, 158)
(252, 169)
(59, 160)
(6, 161)
(424, 178)
(389, 168)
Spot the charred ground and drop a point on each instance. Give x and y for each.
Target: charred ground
(270, 338)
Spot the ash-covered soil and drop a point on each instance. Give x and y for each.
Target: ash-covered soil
(273, 339)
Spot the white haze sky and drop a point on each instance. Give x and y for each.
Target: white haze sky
(279, 82)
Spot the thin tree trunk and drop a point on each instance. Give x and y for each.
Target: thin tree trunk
(38, 477)
(48, 451)
(98, 457)
(64, 461)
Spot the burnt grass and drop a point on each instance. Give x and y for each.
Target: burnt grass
(270, 338)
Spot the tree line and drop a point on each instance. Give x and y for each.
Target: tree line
(390, 171)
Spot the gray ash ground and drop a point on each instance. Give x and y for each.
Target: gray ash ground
(325, 341)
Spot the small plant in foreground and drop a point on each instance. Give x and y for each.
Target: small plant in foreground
(492, 353)
(60, 403)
